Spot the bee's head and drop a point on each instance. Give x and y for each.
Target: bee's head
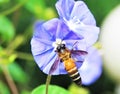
(60, 48)
(59, 45)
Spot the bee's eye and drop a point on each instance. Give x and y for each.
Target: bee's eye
(63, 46)
(58, 49)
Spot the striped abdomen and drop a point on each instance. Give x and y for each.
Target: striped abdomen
(72, 70)
(75, 75)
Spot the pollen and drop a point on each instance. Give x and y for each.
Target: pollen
(57, 43)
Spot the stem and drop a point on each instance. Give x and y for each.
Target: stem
(25, 56)
(47, 83)
(9, 80)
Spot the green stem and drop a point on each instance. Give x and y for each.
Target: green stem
(47, 83)
(25, 56)
(9, 11)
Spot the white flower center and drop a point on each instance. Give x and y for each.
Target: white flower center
(57, 43)
(72, 23)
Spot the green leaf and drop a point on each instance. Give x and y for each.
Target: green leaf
(53, 89)
(25, 92)
(4, 1)
(74, 89)
(17, 73)
(7, 30)
(3, 88)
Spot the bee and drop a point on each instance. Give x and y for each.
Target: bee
(69, 57)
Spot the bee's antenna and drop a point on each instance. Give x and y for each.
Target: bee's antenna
(74, 44)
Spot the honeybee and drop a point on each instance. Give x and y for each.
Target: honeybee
(69, 57)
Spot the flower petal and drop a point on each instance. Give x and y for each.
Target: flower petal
(45, 60)
(92, 67)
(64, 8)
(51, 27)
(63, 32)
(41, 40)
(39, 47)
(81, 11)
(90, 33)
(39, 31)
(72, 35)
(69, 9)
(56, 28)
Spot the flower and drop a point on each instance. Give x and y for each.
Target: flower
(79, 19)
(46, 35)
(76, 24)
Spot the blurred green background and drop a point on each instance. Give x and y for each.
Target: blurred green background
(17, 67)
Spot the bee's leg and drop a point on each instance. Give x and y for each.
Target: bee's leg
(74, 45)
(61, 60)
(69, 55)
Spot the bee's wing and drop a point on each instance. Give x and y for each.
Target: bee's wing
(78, 55)
(55, 65)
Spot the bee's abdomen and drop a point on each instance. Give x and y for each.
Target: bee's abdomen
(72, 70)
(74, 74)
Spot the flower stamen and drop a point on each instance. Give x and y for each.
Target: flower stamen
(57, 43)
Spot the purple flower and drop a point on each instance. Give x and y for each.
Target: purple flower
(45, 36)
(79, 19)
(76, 24)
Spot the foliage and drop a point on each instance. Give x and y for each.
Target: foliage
(3, 88)
(17, 73)
(53, 89)
(74, 89)
(7, 30)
